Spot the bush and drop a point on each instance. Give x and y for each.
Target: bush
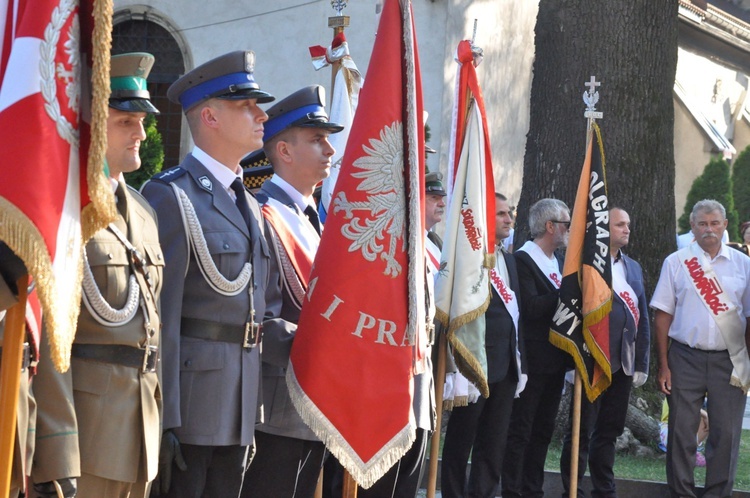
(151, 152)
(715, 183)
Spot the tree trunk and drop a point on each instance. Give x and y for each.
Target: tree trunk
(644, 428)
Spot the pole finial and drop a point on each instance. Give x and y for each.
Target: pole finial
(590, 98)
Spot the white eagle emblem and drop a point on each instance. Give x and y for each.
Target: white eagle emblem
(382, 172)
(65, 67)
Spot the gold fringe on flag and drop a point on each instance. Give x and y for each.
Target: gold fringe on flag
(102, 210)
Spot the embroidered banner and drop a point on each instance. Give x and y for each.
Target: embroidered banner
(580, 325)
(362, 329)
(50, 200)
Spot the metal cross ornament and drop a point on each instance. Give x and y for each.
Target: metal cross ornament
(590, 98)
(338, 6)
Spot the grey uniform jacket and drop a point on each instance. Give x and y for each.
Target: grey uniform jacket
(210, 387)
(101, 418)
(279, 328)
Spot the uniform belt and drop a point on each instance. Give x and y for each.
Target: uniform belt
(26, 359)
(221, 332)
(128, 356)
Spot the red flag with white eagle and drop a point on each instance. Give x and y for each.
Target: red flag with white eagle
(50, 200)
(361, 334)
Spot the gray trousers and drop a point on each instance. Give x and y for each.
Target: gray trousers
(695, 374)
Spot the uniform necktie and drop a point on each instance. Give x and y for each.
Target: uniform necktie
(312, 215)
(241, 200)
(122, 208)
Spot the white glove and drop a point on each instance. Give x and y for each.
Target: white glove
(473, 393)
(448, 387)
(639, 378)
(570, 376)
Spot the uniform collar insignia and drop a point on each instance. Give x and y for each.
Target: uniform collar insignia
(206, 183)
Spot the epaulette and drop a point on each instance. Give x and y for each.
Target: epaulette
(170, 175)
(260, 196)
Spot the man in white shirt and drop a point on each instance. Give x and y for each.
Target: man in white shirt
(702, 301)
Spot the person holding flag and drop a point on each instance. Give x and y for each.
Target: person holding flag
(603, 421)
(480, 428)
(288, 455)
(217, 269)
(98, 423)
(702, 305)
(533, 418)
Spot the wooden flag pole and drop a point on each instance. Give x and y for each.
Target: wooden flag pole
(590, 98)
(575, 425)
(435, 440)
(10, 378)
(350, 486)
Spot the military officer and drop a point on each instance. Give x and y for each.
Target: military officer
(100, 420)
(288, 455)
(217, 270)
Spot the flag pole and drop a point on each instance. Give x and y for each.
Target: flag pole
(435, 439)
(338, 23)
(590, 98)
(10, 379)
(575, 439)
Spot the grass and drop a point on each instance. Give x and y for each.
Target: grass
(653, 469)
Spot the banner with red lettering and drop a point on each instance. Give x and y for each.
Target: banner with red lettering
(580, 325)
(49, 199)
(462, 288)
(362, 330)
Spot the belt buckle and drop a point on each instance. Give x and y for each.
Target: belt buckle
(252, 335)
(149, 351)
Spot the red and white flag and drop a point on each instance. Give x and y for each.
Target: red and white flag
(462, 289)
(46, 189)
(362, 330)
(347, 83)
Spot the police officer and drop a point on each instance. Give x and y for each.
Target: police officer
(215, 280)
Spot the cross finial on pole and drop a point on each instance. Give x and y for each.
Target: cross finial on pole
(590, 98)
(592, 84)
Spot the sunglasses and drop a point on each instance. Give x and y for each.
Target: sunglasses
(566, 223)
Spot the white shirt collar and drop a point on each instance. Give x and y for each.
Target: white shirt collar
(300, 200)
(221, 172)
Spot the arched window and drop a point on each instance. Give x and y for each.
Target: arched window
(147, 36)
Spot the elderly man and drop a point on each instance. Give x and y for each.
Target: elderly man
(217, 268)
(533, 419)
(480, 428)
(100, 420)
(629, 337)
(288, 455)
(701, 303)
